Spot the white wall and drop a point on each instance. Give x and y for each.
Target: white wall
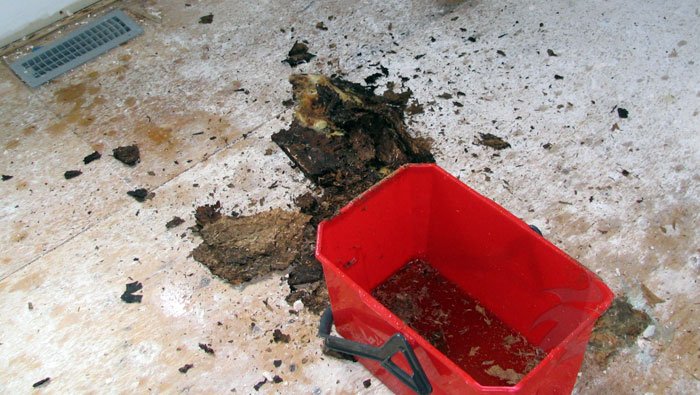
(18, 18)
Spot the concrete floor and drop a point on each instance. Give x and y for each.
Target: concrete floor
(623, 200)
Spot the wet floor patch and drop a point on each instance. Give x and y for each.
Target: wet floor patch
(618, 328)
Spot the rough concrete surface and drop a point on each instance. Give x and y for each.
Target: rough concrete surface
(599, 103)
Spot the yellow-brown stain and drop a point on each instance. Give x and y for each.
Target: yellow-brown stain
(159, 135)
(21, 185)
(29, 282)
(99, 147)
(668, 237)
(130, 101)
(12, 144)
(79, 114)
(6, 260)
(19, 236)
(93, 74)
(24, 362)
(29, 130)
(125, 58)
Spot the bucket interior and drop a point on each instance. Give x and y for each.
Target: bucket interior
(526, 291)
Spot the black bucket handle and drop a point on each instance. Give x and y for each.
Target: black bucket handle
(418, 382)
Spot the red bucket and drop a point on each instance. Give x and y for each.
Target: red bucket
(482, 303)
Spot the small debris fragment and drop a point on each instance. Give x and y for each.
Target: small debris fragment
(510, 376)
(280, 337)
(625, 173)
(185, 368)
(298, 54)
(622, 113)
(558, 77)
(206, 19)
(128, 155)
(615, 127)
(131, 288)
(277, 379)
(257, 386)
(72, 174)
(367, 383)
(321, 26)
(175, 222)
(501, 53)
(6, 177)
(445, 96)
(547, 146)
(206, 348)
(41, 382)
(493, 141)
(618, 328)
(277, 363)
(92, 157)
(551, 53)
(30, 306)
(650, 296)
(472, 39)
(207, 214)
(139, 194)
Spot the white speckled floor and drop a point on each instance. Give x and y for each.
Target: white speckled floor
(620, 195)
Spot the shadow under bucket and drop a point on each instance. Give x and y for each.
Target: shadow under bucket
(440, 290)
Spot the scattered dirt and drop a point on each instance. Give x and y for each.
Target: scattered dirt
(131, 288)
(259, 385)
(493, 141)
(321, 26)
(558, 77)
(618, 328)
(344, 138)
(239, 249)
(175, 222)
(185, 368)
(279, 337)
(367, 383)
(299, 54)
(71, 174)
(277, 379)
(129, 155)
(206, 19)
(206, 348)
(139, 194)
(551, 53)
(92, 157)
(622, 113)
(5, 177)
(457, 325)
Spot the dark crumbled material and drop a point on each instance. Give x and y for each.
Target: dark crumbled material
(206, 348)
(5, 177)
(131, 288)
(139, 194)
(493, 141)
(92, 157)
(185, 368)
(622, 113)
(259, 384)
(175, 222)
(299, 54)
(72, 174)
(41, 382)
(128, 155)
(279, 337)
(367, 383)
(206, 19)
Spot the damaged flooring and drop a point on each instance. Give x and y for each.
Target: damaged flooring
(581, 119)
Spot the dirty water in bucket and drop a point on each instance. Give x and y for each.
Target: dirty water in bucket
(457, 325)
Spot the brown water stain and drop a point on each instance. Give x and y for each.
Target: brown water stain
(130, 101)
(29, 282)
(25, 362)
(125, 57)
(157, 134)
(19, 236)
(668, 239)
(21, 185)
(79, 114)
(29, 130)
(12, 144)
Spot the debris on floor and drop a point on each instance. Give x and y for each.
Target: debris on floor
(344, 138)
(128, 155)
(175, 222)
(279, 337)
(299, 54)
(207, 214)
(42, 382)
(71, 174)
(185, 368)
(140, 194)
(206, 19)
(92, 157)
(493, 141)
(239, 249)
(618, 328)
(206, 348)
(5, 177)
(622, 113)
(129, 294)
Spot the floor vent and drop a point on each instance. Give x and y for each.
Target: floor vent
(76, 48)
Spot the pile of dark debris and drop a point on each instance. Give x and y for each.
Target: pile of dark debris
(344, 138)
